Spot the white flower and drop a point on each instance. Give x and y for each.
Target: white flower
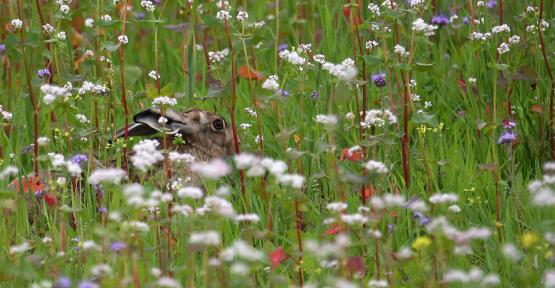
(47, 28)
(43, 141)
(108, 175)
(240, 249)
(420, 25)
(270, 84)
(345, 71)
(123, 39)
(549, 279)
(217, 56)
(515, 39)
(90, 245)
(245, 126)
(454, 208)
(177, 157)
(190, 192)
(207, 238)
(148, 5)
(154, 75)
(223, 15)
(292, 57)
(164, 101)
(82, 118)
(242, 16)
(414, 3)
(376, 167)
(253, 218)
(219, 206)
(500, 29)
(17, 23)
(444, 198)
(8, 171)
(511, 252)
(503, 48)
(328, 120)
(106, 17)
(22, 248)
(319, 58)
(146, 154)
(427, 104)
(472, 80)
(378, 118)
(166, 281)
(215, 169)
(89, 22)
(375, 9)
(400, 50)
(336, 206)
(371, 44)
(259, 24)
(293, 180)
(61, 36)
(136, 226)
(101, 270)
(249, 110)
(64, 9)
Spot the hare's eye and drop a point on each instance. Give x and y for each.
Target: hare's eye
(218, 124)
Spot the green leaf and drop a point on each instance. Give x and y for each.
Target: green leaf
(402, 66)
(425, 118)
(424, 66)
(132, 74)
(109, 46)
(373, 59)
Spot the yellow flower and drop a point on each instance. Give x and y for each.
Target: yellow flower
(528, 239)
(421, 242)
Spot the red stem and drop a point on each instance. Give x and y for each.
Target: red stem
(552, 90)
(32, 96)
(123, 96)
(232, 108)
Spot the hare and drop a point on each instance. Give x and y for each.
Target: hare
(206, 134)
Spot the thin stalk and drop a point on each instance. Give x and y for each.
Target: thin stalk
(31, 94)
(123, 96)
(552, 90)
(231, 108)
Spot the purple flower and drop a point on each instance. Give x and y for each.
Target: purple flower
(118, 246)
(440, 19)
(63, 282)
(43, 73)
(39, 194)
(76, 239)
(102, 210)
(378, 79)
(314, 95)
(390, 227)
(282, 47)
(87, 284)
(465, 20)
(140, 16)
(2, 48)
(422, 219)
(78, 158)
(509, 124)
(282, 93)
(491, 3)
(507, 137)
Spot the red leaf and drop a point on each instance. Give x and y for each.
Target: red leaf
(367, 192)
(347, 12)
(50, 200)
(277, 256)
(333, 230)
(350, 155)
(249, 73)
(30, 183)
(537, 108)
(355, 264)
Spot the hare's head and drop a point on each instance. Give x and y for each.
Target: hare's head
(206, 134)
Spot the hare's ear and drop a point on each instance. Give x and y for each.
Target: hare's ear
(146, 123)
